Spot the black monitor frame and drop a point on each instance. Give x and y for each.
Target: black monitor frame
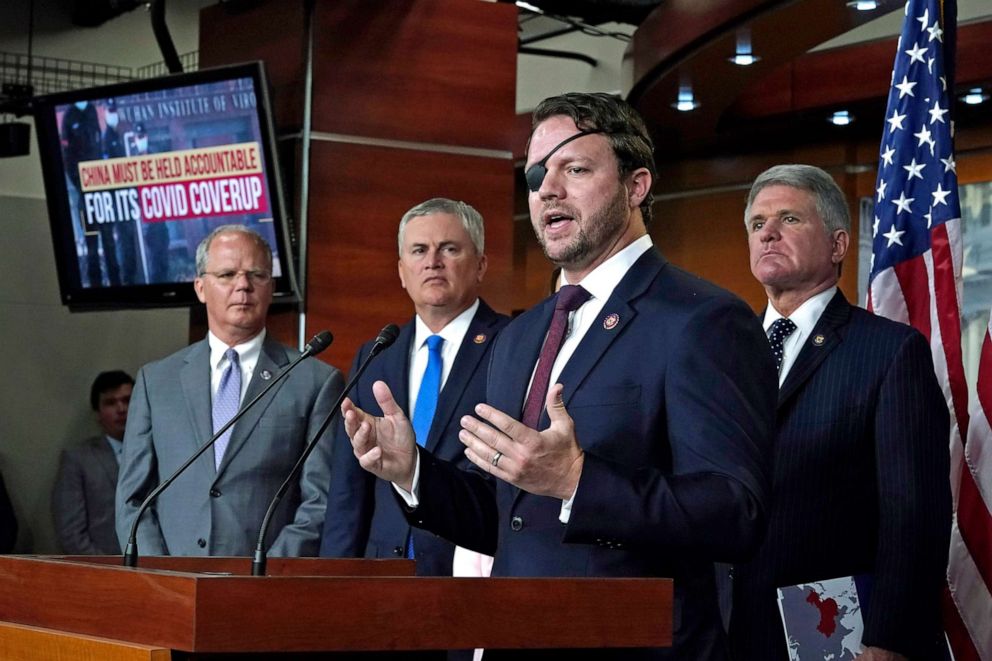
(156, 295)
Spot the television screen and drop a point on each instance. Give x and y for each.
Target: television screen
(136, 174)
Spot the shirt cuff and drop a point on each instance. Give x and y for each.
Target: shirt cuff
(566, 507)
(410, 497)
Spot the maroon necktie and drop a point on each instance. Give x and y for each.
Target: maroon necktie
(570, 298)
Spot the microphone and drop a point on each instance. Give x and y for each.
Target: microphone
(320, 341)
(385, 338)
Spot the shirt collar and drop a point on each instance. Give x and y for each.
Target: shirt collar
(602, 280)
(453, 332)
(247, 351)
(806, 315)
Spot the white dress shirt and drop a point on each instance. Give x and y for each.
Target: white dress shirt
(453, 334)
(600, 283)
(805, 318)
(248, 353)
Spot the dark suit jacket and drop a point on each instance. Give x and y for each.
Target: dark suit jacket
(363, 517)
(8, 521)
(83, 499)
(675, 413)
(212, 510)
(860, 485)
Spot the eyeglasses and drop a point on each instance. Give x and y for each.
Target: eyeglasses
(230, 277)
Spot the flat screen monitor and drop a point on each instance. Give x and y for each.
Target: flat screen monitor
(137, 173)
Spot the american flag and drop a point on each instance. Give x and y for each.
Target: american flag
(915, 278)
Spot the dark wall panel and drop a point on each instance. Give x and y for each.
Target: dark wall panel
(358, 194)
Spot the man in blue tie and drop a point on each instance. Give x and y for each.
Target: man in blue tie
(437, 368)
(179, 402)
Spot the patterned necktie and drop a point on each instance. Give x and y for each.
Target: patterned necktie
(423, 414)
(226, 402)
(777, 333)
(570, 298)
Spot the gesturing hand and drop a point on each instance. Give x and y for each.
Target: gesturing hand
(385, 446)
(546, 463)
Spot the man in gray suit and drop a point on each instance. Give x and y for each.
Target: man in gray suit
(216, 506)
(83, 496)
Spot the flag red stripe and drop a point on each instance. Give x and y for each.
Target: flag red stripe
(974, 519)
(975, 524)
(961, 642)
(984, 386)
(949, 320)
(913, 280)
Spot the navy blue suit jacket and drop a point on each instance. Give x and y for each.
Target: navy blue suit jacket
(363, 517)
(674, 410)
(860, 485)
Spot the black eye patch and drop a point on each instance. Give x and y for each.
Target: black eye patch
(535, 174)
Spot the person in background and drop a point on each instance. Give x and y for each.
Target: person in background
(83, 495)
(860, 485)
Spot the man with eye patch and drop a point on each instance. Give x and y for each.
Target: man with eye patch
(179, 402)
(860, 485)
(628, 420)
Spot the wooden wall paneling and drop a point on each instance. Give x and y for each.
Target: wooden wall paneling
(705, 235)
(423, 70)
(422, 77)
(229, 36)
(359, 193)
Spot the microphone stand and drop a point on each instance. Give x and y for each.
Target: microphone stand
(320, 342)
(386, 337)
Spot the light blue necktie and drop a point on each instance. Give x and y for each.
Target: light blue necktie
(423, 414)
(226, 402)
(430, 386)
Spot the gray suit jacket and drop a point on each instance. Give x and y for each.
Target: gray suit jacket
(83, 499)
(209, 511)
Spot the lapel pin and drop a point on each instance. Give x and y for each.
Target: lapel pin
(611, 321)
(480, 338)
(265, 374)
(819, 339)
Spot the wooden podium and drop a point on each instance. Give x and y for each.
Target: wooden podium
(92, 608)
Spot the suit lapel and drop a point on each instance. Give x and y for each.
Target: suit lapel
(823, 340)
(604, 331)
(473, 348)
(616, 314)
(195, 380)
(271, 359)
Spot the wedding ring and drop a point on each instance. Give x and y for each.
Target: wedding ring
(496, 458)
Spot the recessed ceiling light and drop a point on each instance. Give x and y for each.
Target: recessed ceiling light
(863, 5)
(975, 96)
(743, 55)
(686, 101)
(841, 118)
(744, 59)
